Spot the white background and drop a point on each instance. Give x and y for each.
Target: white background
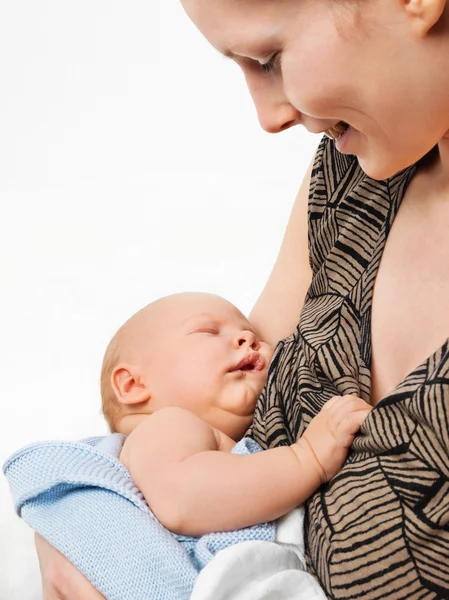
(132, 165)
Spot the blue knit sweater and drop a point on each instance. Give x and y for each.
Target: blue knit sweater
(81, 498)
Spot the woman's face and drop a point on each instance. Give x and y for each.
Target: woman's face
(319, 62)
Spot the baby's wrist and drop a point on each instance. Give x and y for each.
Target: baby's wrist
(306, 455)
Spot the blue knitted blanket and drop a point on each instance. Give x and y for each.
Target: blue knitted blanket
(81, 498)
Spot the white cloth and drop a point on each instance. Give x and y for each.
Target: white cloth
(257, 570)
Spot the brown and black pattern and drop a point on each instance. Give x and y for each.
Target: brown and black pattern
(380, 529)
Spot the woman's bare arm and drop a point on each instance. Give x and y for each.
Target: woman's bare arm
(60, 579)
(276, 312)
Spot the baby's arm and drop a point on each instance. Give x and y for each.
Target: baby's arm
(195, 489)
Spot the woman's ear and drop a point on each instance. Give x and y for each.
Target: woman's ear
(424, 14)
(128, 386)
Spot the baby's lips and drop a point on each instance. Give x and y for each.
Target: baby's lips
(260, 363)
(254, 360)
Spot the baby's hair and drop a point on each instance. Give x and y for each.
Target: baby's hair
(111, 408)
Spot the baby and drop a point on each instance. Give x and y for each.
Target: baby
(181, 379)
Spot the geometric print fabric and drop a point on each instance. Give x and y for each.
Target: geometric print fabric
(380, 529)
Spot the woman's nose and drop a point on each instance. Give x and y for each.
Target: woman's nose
(247, 338)
(274, 119)
(274, 112)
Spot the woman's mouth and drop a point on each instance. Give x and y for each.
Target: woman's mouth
(337, 130)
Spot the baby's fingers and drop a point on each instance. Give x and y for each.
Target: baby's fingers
(339, 408)
(352, 422)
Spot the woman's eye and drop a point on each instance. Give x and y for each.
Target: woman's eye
(272, 64)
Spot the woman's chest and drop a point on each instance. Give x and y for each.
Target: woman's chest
(409, 312)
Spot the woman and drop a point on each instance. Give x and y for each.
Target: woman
(372, 284)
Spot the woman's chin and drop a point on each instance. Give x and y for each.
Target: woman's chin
(383, 165)
(380, 169)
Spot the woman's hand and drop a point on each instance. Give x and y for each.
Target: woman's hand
(60, 579)
(332, 431)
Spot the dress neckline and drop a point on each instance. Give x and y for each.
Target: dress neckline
(397, 188)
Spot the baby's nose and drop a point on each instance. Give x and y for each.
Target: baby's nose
(248, 338)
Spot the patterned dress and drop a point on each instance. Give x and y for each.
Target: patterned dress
(380, 528)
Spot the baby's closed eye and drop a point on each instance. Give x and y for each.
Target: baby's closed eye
(208, 330)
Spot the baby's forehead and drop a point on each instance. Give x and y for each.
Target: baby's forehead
(196, 307)
(218, 316)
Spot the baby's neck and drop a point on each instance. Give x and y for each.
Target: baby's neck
(224, 442)
(128, 423)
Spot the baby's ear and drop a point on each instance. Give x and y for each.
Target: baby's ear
(128, 386)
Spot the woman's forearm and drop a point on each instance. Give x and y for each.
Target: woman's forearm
(60, 579)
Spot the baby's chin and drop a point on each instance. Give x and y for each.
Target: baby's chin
(245, 406)
(233, 420)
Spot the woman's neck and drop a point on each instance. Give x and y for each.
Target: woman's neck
(443, 162)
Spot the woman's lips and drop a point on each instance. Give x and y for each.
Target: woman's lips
(337, 130)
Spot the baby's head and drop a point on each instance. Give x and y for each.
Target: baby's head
(192, 350)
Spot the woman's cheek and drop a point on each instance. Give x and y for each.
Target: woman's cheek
(311, 85)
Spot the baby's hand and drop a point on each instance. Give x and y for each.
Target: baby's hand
(332, 431)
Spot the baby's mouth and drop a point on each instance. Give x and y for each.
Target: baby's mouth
(251, 362)
(337, 130)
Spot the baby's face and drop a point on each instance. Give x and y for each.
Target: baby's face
(205, 356)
